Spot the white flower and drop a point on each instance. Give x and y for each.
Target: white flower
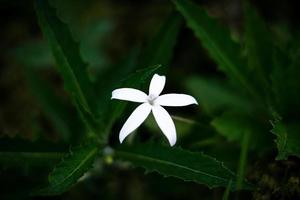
(152, 102)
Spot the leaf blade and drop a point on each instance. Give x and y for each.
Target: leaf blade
(214, 95)
(67, 54)
(67, 173)
(287, 139)
(216, 39)
(176, 162)
(259, 48)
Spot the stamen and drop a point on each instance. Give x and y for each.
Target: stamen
(151, 99)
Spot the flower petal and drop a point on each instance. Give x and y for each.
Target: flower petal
(157, 84)
(129, 94)
(135, 120)
(175, 100)
(165, 123)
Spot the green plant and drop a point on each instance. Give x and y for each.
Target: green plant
(253, 110)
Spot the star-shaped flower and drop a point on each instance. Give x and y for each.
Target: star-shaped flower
(152, 102)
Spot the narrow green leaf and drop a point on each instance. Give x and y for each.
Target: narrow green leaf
(243, 159)
(22, 153)
(214, 95)
(73, 166)
(259, 48)
(287, 139)
(33, 158)
(67, 55)
(286, 85)
(227, 191)
(160, 48)
(176, 162)
(217, 40)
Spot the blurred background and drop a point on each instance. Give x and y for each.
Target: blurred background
(108, 31)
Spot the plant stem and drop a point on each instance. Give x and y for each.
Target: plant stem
(243, 160)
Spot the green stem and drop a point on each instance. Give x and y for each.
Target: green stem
(227, 191)
(243, 160)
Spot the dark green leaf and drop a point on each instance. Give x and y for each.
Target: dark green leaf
(286, 85)
(176, 162)
(287, 139)
(214, 95)
(234, 125)
(217, 40)
(259, 49)
(22, 153)
(67, 55)
(73, 166)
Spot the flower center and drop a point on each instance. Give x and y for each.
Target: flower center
(151, 99)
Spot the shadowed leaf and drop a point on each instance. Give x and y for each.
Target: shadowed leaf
(217, 40)
(67, 55)
(176, 162)
(72, 167)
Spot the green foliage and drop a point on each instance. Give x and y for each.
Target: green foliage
(183, 164)
(214, 95)
(71, 168)
(259, 48)
(227, 191)
(288, 139)
(23, 153)
(286, 85)
(234, 126)
(286, 90)
(266, 77)
(67, 55)
(217, 40)
(243, 159)
(260, 84)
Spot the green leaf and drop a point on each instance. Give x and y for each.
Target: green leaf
(95, 34)
(176, 162)
(67, 55)
(234, 125)
(227, 191)
(243, 159)
(287, 138)
(22, 153)
(160, 48)
(259, 48)
(217, 40)
(214, 95)
(66, 124)
(286, 85)
(67, 173)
